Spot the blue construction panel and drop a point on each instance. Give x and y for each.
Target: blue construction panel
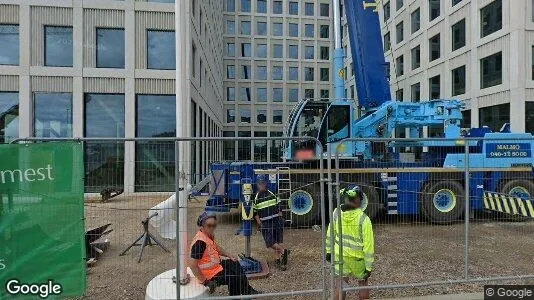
(409, 186)
(370, 69)
(476, 187)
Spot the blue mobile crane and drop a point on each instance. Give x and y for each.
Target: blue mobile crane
(431, 183)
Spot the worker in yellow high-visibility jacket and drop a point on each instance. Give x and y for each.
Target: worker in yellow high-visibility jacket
(354, 245)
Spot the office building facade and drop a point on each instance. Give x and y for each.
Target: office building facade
(106, 69)
(480, 52)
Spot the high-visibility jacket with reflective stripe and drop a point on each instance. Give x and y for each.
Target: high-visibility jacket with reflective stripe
(266, 205)
(356, 236)
(210, 263)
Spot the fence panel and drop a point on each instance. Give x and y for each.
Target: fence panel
(425, 242)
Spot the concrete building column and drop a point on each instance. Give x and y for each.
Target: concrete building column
(518, 47)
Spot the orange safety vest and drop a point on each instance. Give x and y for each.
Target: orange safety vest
(210, 263)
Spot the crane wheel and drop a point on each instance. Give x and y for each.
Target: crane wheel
(305, 206)
(443, 202)
(520, 188)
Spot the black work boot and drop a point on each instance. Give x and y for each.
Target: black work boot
(280, 266)
(285, 256)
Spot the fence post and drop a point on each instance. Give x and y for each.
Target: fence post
(323, 221)
(178, 235)
(339, 228)
(331, 237)
(467, 209)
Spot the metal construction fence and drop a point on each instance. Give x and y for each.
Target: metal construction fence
(445, 219)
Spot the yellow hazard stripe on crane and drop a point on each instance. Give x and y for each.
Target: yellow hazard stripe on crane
(508, 204)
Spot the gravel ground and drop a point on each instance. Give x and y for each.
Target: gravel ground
(407, 251)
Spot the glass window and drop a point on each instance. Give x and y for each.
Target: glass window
(309, 30)
(261, 116)
(494, 116)
(325, 74)
(435, 87)
(433, 9)
(261, 50)
(58, 46)
(416, 20)
(529, 117)
(261, 6)
(52, 115)
(293, 73)
(245, 27)
(278, 51)
(466, 119)
(230, 5)
(230, 116)
(9, 39)
(309, 9)
(325, 94)
(491, 18)
(387, 41)
(278, 116)
(293, 29)
(278, 95)
(229, 146)
(109, 48)
(230, 94)
(309, 52)
(104, 161)
(309, 74)
(293, 51)
(276, 147)
(244, 147)
(309, 93)
(245, 115)
(400, 32)
(387, 11)
(399, 65)
(458, 81)
(9, 116)
(230, 49)
(193, 60)
(454, 2)
(262, 73)
(458, 35)
(260, 147)
(246, 72)
(246, 50)
(324, 10)
(245, 94)
(293, 8)
(277, 7)
(245, 5)
(277, 73)
(293, 95)
(261, 28)
(324, 31)
(491, 70)
(415, 90)
(400, 3)
(154, 167)
(230, 27)
(278, 29)
(261, 94)
(161, 50)
(416, 57)
(230, 72)
(434, 45)
(325, 52)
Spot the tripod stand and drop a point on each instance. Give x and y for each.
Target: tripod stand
(147, 239)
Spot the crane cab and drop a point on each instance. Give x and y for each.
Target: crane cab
(327, 121)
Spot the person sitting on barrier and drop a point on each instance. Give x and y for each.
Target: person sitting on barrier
(268, 215)
(357, 241)
(207, 265)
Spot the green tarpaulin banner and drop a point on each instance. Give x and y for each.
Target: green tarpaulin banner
(42, 232)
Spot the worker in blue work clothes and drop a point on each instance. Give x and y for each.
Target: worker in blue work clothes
(268, 215)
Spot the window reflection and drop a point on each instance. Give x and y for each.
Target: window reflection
(52, 115)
